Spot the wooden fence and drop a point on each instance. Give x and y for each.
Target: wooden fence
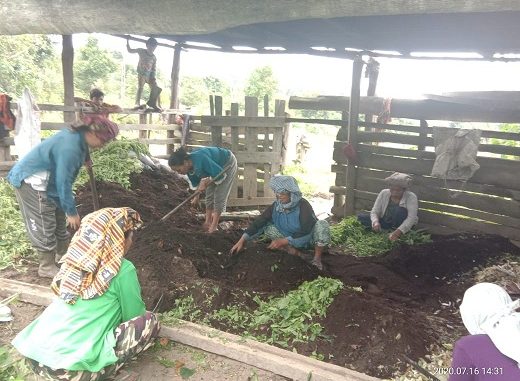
(257, 141)
(488, 203)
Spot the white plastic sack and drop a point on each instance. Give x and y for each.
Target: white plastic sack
(28, 125)
(456, 151)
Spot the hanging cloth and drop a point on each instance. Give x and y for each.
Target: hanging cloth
(7, 118)
(28, 125)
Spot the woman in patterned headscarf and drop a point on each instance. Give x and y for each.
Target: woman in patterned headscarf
(289, 223)
(98, 321)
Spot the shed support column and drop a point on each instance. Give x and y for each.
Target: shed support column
(372, 73)
(353, 120)
(174, 95)
(67, 62)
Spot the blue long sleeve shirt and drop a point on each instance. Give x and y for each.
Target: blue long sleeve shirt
(208, 162)
(296, 224)
(62, 155)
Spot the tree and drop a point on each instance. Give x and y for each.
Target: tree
(94, 66)
(261, 82)
(193, 92)
(216, 86)
(24, 62)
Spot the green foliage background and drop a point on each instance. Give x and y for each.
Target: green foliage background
(14, 244)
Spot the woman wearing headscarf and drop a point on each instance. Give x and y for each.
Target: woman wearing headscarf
(289, 223)
(43, 181)
(210, 169)
(492, 350)
(98, 320)
(395, 208)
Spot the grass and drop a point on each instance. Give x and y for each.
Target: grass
(356, 239)
(14, 244)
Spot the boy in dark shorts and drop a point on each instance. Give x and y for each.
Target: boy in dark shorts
(146, 69)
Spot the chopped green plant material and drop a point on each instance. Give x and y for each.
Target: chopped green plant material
(12, 365)
(186, 372)
(356, 239)
(287, 319)
(14, 244)
(115, 162)
(167, 363)
(184, 309)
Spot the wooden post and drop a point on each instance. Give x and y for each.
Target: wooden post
(250, 176)
(279, 111)
(174, 93)
(372, 72)
(234, 148)
(267, 148)
(143, 134)
(67, 63)
(266, 105)
(357, 68)
(211, 106)
(216, 131)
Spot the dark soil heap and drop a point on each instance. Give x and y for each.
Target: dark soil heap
(409, 297)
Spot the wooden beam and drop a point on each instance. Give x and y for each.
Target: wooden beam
(407, 108)
(244, 121)
(174, 91)
(351, 174)
(67, 63)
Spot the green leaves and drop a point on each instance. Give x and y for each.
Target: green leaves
(12, 366)
(355, 238)
(14, 244)
(286, 319)
(115, 162)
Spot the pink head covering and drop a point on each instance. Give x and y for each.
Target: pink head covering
(105, 129)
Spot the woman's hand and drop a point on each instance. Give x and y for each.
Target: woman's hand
(278, 244)
(73, 222)
(204, 184)
(376, 226)
(196, 201)
(394, 236)
(239, 246)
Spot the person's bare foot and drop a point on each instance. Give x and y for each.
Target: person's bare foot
(317, 262)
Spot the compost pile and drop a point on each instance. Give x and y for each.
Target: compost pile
(392, 305)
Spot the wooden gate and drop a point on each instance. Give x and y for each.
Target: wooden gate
(257, 143)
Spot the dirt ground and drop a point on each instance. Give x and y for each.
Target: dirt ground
(161, 362)
(408, 301)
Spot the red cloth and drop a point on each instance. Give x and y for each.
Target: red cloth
(104, 128)
(7, 117)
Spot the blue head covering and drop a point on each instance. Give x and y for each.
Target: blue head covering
(286, 184)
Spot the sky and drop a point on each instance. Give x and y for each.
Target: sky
(312, 75)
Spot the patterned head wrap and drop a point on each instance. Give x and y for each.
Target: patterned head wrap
(399, 180)
(104, 128)
(281, 184)
(95, 254)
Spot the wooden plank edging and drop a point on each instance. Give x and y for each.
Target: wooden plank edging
(251, 352)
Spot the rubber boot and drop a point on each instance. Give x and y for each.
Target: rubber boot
(48, 268)
(154, 96)
(61, 249)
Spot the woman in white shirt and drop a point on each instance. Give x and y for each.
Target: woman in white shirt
(395, 208)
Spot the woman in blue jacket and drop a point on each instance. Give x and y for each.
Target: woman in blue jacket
(43, 182)
(203, 166)
(289, 223)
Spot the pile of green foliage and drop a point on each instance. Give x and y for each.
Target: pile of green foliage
(282, 320)
(13, 240)
(115, 162)
(356, 239)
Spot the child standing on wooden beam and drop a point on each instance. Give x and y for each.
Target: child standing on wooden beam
(146, 69)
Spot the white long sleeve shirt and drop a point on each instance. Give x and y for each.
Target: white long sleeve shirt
(408, 201)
